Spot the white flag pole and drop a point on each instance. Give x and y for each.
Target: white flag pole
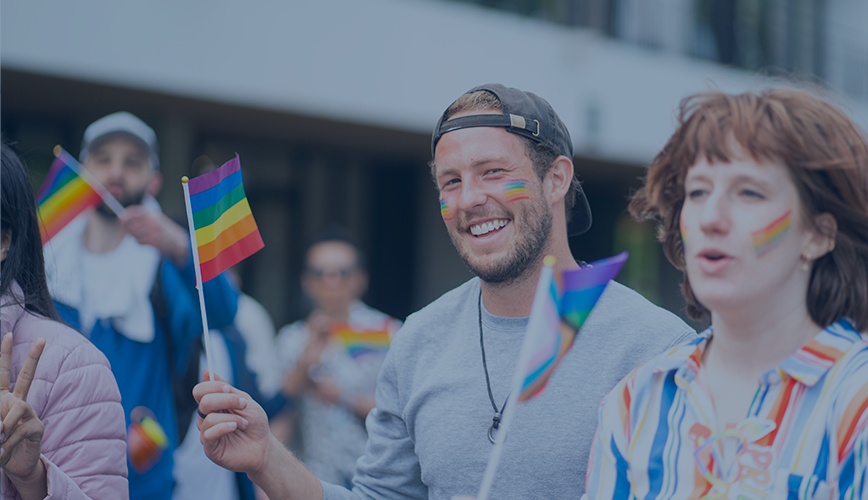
(535, 322)
(205, 332)
(110, 201)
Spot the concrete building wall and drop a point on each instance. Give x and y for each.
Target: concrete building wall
(331, 104)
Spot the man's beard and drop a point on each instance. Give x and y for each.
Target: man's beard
(527, 251)
(125, 201)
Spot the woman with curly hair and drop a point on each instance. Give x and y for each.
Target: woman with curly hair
(762, 200)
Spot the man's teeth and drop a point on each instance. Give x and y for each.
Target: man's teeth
(480, 229)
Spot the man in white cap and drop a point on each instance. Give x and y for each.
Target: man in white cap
(127, 283)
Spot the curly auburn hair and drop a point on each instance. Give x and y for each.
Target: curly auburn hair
(827, 157)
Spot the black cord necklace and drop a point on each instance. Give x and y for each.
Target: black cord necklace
(495, 421)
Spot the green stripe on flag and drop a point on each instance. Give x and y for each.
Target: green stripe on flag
(208, 216)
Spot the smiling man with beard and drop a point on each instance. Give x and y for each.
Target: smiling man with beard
(127, 283)
(502, 161)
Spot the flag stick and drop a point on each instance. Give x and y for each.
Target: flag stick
(205, 332)
(536, 316)
(110, 201)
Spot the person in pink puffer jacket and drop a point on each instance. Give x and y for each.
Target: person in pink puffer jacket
(63, 433)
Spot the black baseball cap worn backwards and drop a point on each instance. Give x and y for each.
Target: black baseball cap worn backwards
(528, 115)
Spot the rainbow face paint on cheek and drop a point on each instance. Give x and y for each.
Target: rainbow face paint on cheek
(683, 233)
(769, 237)
(445, 211)
(515, 189)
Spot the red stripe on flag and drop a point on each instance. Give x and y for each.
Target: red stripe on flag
(240, 250)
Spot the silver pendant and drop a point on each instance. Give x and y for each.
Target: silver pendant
(495, 423)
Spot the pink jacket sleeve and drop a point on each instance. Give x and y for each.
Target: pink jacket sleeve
(89, 447)
(76, 397)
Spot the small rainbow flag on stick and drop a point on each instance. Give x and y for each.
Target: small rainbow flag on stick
(553, 325)
(361, 342)
(554, 320)
(225, 232)
(222, 229)
(68, 190)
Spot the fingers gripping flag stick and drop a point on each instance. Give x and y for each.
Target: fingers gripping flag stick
(69, 190)
(222, 229)
(555, 319)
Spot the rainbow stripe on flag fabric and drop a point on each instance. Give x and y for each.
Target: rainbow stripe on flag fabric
(557, 317)
(362, 342)
(64, 195)
(225, 230)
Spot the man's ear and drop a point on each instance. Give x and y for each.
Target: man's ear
(156, 183)
(559, 178)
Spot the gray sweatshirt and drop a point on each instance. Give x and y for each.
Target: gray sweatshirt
(427, 438)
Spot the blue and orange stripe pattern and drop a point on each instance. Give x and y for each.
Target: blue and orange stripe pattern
(805, 435)
(226, 233)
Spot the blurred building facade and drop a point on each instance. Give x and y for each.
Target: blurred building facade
(330, 105)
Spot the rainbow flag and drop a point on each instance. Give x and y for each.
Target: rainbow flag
(556, 317)
(361, 342)
(225, 230)
(63, 196)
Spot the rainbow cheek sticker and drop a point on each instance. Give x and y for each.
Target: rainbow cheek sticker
(683, 233)
(445, 211)
(768, 238)
(515, 189)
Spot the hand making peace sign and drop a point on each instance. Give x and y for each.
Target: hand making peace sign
(20, 430)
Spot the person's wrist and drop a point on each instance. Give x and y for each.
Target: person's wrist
(272, 473)
(281, 475)
(34, 485)
(295, 382)
(179, 246)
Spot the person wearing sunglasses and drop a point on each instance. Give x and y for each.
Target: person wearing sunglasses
(330, 366)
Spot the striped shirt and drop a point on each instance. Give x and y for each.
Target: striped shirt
(804, 437)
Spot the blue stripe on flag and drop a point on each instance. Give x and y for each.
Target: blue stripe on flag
(209, 197)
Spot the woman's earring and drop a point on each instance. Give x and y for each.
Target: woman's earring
(807, 258)
(831, 246)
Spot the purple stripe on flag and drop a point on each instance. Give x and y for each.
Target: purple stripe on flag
(599, 273)
(214, 177)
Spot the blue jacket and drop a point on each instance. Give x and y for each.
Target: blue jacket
(144, 371)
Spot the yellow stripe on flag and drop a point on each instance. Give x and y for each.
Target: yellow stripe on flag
(235, 213)
(72, 190)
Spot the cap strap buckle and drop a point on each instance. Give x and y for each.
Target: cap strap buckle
(516, 121)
